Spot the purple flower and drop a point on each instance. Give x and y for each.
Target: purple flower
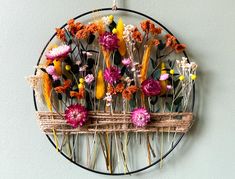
(58, 52)
(126, 61)
(140, 117)
(112, 74)
(151, 87)
(109, 41)
(75, 115)
(89, 78)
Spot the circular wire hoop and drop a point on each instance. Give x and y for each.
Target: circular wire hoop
(179, 138)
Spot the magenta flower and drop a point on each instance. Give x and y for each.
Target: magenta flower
(75, 115)
(126, 61)
(109, 41)
(112, 74)
(151, 87)
(89, 79)
(140, 117)
(58, 52)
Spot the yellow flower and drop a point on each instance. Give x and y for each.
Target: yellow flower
(80, 86)
(193, 77)
(114, 31)
(67, 67)
(111, 17)
(181, 78)
(81, 80)
(121, 42)
(172, 72)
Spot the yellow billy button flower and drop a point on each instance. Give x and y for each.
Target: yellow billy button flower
(181, 78)
(193, 77)
(81, 80)
(114, 31)
(111, 18)
(172, 72)
(67, 67)
(80, 86)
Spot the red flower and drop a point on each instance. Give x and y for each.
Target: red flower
(75, 115)
(179, 48)
(170, 40)
(151, 87)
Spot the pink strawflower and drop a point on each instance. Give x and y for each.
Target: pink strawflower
(164, 77)
(109, 41)
(169, 87)
(140, 117)
(55, 77)
(151, 87)
(112, 74)
(126, 61)
(89, 79)
(58, 52)
(51, 70)
(75, 115)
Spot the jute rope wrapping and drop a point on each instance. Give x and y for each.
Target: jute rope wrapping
(105, 122)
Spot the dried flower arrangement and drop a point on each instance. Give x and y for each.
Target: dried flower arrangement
(108, 80)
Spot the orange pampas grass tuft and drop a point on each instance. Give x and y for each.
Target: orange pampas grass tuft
(47, 90)
(121, 42)
(106, 57)
(145, 61)
(57, 65)
(100, 85)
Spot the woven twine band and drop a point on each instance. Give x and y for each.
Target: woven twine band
(105, 122)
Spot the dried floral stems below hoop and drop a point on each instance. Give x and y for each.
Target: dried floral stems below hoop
(104, 122)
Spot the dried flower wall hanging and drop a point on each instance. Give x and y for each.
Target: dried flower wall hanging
(106, 91)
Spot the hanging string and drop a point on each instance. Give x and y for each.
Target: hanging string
(114, 7)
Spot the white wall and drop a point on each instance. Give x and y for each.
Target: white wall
(206, 26)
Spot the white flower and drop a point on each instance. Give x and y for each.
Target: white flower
(127, 33)
(108, 99)
(106, 20)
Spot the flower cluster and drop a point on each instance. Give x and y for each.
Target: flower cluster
(113, 62)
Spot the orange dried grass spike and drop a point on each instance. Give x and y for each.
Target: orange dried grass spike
(47, 89)
(145, 61)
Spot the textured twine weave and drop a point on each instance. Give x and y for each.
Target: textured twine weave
(106, 122)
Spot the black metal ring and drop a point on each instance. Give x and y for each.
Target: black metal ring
(176, 143)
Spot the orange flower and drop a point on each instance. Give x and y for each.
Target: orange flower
(132, 88)
(170, 40)
(119, 87)
(156, 31)
(136, 35)
(110, 89)
(78, 95)
(92, 28)
(82, 34)
(147, 25)
(156, 42)
(126, 94)
(60, 33)
(74, 28)
(62, 89)
(179, 48)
